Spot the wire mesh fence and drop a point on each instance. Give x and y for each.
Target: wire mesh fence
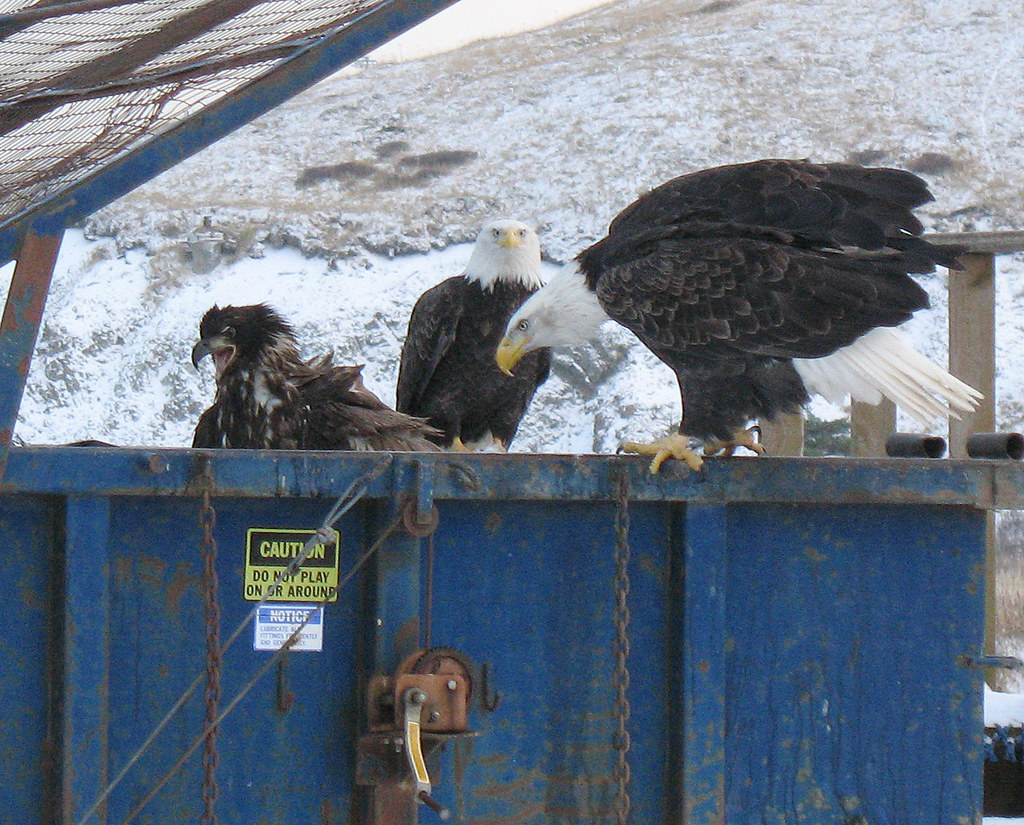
(82, 83)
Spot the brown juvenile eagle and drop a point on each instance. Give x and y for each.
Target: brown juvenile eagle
(448, 374)
(268, 397)
(757, 283)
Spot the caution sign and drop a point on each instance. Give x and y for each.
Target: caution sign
(268, 552)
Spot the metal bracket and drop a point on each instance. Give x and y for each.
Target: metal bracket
(490, 698)
(985, 660)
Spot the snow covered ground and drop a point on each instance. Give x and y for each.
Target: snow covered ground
(1003, 708)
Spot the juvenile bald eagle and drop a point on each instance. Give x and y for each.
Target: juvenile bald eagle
(268, 397)
(756, 283)
(448, 374)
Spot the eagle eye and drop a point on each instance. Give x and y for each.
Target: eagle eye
(228, 332)
(523, 325)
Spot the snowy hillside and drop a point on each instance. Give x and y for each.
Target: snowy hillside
(342, 206)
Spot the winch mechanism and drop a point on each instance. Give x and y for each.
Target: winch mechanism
(411, 716)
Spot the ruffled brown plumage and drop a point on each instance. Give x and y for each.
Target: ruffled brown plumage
(268, 397)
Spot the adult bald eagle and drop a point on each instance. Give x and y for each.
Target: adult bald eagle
(756, 283)
(270, 398)
(447, 374)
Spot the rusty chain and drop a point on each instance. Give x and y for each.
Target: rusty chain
(620, 680)
(208, 546)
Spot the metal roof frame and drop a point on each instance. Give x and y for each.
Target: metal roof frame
(32, 237)
(309, 65)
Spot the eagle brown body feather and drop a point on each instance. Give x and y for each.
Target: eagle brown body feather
(448, 374)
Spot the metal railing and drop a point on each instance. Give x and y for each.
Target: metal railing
(972, 353)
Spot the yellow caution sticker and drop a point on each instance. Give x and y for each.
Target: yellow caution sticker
(269, 552)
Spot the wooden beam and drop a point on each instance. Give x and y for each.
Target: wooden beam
(870, 426)
(972, 358)
(972, 342)
(784, 435)
(990, 243)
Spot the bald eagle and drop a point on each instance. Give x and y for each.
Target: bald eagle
(268, 397)
(756, 283)
(447, 374)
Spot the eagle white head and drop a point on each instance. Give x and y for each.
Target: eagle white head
(505, 250)
(565, 312)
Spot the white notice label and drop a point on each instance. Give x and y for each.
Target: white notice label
(275, 623)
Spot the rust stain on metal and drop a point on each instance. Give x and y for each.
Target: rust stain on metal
(493, 523)
(122, 569)
(512, 787)
(31, 599)
(408, 634)
(815, 555)
(178, 586)
(151, 569)
(328, 816)
(525, 812)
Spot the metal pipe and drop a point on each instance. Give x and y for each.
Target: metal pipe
(996, 445)
(915, 445)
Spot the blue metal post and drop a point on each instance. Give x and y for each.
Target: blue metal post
(703, 665)
(398, 600)
(396, 634)
(86, 654)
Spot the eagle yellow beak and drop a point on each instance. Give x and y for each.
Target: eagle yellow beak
(510, 238)
(509, 353)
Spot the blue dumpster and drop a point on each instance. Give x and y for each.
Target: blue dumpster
(770, 641)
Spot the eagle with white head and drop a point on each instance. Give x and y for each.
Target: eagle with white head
(758, 283)
(447, 374)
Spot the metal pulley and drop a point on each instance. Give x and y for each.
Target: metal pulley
(411, 715)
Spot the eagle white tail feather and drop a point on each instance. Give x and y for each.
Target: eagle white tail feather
(881, 364)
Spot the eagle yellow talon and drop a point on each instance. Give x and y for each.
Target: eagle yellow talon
(741, 438)
(673, 446)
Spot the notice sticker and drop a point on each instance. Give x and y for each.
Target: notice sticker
(268, 552)
(275, 624)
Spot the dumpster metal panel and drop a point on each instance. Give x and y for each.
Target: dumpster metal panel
(30, 654)
(276, 765)
(847, 698)
(791, 660)
(110, 471)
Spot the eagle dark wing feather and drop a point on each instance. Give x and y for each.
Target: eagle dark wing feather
(208, 434)
(821, 205)
(728, 274)
(706, 300)
(341, 413)
(432, 328)
(448, 374)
